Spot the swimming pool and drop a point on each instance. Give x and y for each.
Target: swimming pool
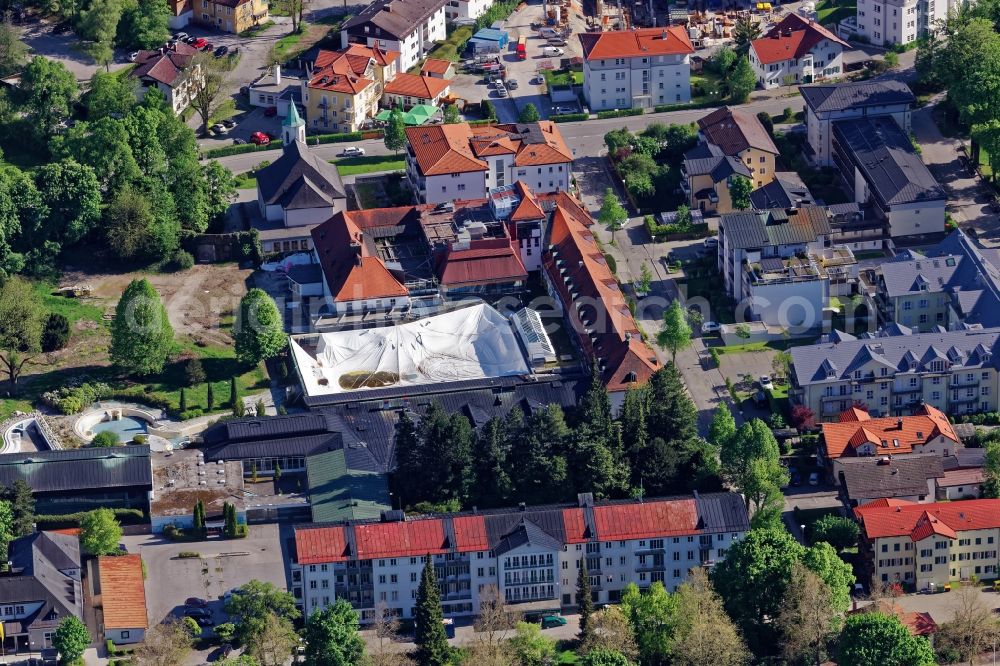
(126, 427)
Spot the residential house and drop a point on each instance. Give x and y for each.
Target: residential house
(879, 165)
(233, 16)
(345, 86)
(593, 305)
(891, 22)
(858, 434)
(531, 555)
(39, 589)
(960, 483)
(438, 68)
(925, 546)
(911, 477)
(277, 89)
(181, 13)
(296, 192)
(826, 104)
(409, 27)
(786, 191)
(796, 50)
(120, 593)
(408, 90)
(780, 263)
(172, 71)
(636, 69)
(897, 371)
(446, 163)
(706, 175)
(465, 11)
(952, 284)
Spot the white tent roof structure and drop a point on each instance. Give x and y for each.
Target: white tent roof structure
(472, 343)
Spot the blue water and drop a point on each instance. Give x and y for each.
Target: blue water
(126, 428)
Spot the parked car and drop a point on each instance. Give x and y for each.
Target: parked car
(550, 621)
(197, 612)
(181, 36)
(512, 84)
(207, 47)
(548, 33)
(814, 479)
(556, 41)
(219, 128)
(260, 138)
(502, 92)
(711, 242)
(766, 383)
(710, 327)
(221, 51)
(552, 52)
(239, 142)
(352, 151)
(199, 43)
(271, 111)
(229, 122)
(195, 602)
(191, 39)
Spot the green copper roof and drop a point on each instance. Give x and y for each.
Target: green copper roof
(339, 493)
(293, 119)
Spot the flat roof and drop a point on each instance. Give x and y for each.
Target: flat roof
(183, 478)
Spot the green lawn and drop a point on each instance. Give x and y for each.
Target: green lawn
(220, 365)
(246, 181)
(562, 77)
(773, 345)
(451, 48)
(351, 166)
(835, 11)
(706, 86)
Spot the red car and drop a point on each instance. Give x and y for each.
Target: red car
(260, 138)
(271, 111)
(200, 43)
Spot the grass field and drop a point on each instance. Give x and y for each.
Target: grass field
(562, 77)
(352, 166)
(834, 11)
(706, 86)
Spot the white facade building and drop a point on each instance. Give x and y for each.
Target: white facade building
(797, 50)
(890, 22)
(411, 27)
(640, 68)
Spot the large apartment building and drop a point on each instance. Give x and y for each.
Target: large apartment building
(888, 22)
(924, 545)
(796, 50)
(346, 85)
(531, 555)
(409, 27)
(897, 371)
(636, 69)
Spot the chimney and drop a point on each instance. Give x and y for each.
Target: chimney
(899, 423)
(522, 506)
(277, 74)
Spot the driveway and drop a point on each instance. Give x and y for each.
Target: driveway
(38, 36)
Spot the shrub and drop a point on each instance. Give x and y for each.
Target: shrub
(619, 113)
(140, 439)
(803, 418)
(182, 260)
(612, 264)
(194, 372)
(226, 151)
(59, 521)
(56, 333)
(189, 414)
(335, 138)
(487, 110)
(105, 439)
(569, 118)
(72, 400)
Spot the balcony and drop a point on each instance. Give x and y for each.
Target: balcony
(963, 381)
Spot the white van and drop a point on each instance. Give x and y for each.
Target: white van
(552, 51)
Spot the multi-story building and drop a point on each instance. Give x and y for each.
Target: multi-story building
(949, 285)
(230, 15)
(446, 163)
(888, 22)
(878, 164)
(409, 27)
(346, 86)
(531, 556)
(465, 10)
(826, 104)
(927, 545)
(898, 371)
(796, 50)
(408, 90)
(172, 71)
(636, 69)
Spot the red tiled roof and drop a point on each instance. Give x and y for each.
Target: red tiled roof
(793, 37)
(470, 533)
(575, 526)
(735, 130)
(414, 85)
(486, 261)
(617, 340)
(321, 544)
(845, 437)
(436, 66)
(535, 144)
(458, 148)
(919, 521)
(528, 209)
(381, 56)
(919, 624)
(644, 42)
(443, 149)
(405, 539)
(854, 414)
(345, 71)
(649, 519)
(887, 502)
(123, 594)
(165, 68)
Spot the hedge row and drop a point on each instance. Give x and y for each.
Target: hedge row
(226, 151)
(619, 113)
(64, 520)
(663, 108)
(335, 138)
(569, 117)
(661, 231)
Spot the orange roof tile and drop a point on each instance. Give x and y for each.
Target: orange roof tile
(470, 533)
(575, 526)
(436, 66)
(854, 414)
(381, 56)
(843, 438)
(414, 85)
(918, 521)
(405, 539)
(123, 593)
(486, 261)
(342, 71)
(649, 519)
(793, 37)
(528, 209)
(321, 544)
(639, 43)
(443, 149)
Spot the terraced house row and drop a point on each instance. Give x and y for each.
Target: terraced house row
(531, 555)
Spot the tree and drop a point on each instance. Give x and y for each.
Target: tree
(13, 51)
(198, 519)
(137, 229)
(56, 332)
(874, 639)
(753, 579)
(332, 638)
(451, 114)
(610, 629)
(740, 188)
(144, 25)
(394, 133)
(194, 372)
(209, 396)
(182, 401)
(529, 114)
(141, 334)
(803, 418)
(46, 91)
(584, 600)
(6, 527)
(208, 96)
(991, 471)
(891, 60)
(110, 95)
(192, 627)
(22, 504)
(613, 215)
(723, 426)
(220, 191)
(704, 635)
(230, 526)
(494, 623)
(385, 626)
(781, 365)
(259, 331)
(839, 532)
(605, 657)
(530, 647)
(21, 320)
(969, 61)
(97, 27)
(234, 393)
(645, 278)
(273, 643)
(166, 644)
(675, 334)
(741, 83)
(807, 617)
(972, 630)
(429, 634)
(722, 61)
(71, 638)
(254, 603)
(745, 31)
(100, 532)
(489, 465)
(106, 439)
(751, 460)
(652, 615)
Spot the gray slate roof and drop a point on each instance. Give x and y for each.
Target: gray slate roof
(69, 470)
(526, 534)
(396, 18)
(757, 229)
(299, 179)
(823, 98)
(833, 361)
(785, 191)
(39, 561)
(902, 476)
(884, 155)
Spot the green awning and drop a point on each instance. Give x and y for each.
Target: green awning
(418, 115)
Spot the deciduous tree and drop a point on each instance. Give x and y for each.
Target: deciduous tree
(21, 321)
(529, 114)
(100, 532)
(259, 331)
(254, 602)
(7, 533)
(71, 638)
(13, 50)
(145, 24)
(807, 618)
(675, 334)
(610, 629)
(973, 629)
(141, 334)
(273, 643)
(46, 91)
(613, 215)
(723, 426)
(166, 644)
(394, 133)
(214, 75)
(837, 531)
(874, 639)
(740, 188)
(704, 635)
(332, 637)
(530, 646)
